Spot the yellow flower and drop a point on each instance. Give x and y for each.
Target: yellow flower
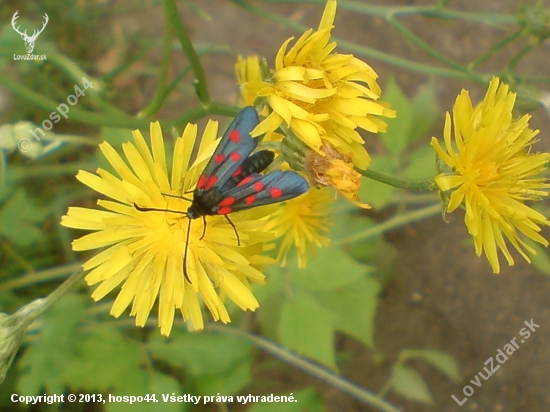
(321, 96)
(247, 69)
(144, 250)
(492, 173)
(336, 170)
(301, 223)
(250, 69)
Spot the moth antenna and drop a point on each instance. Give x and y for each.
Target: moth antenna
(235, 229)
(152, 209)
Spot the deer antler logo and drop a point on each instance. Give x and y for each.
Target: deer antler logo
(29, 40)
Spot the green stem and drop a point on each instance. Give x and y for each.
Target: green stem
(117, 71)
(409, 35)
(385, 389)
(172, 86)
(310, 368)
(15, 326)
(57, 294)
(73, 138)
(392, 223)
(16, 173)
(437, 11)
(412, 198)
(514, 62)
(16, 256)
(84, 116)
(3, 164)
(158, 98)
(361, 50)
(494, 49)
(201, 111)
(416, 186)
(33, 278)
(201, 86)
(77, 74)
(536, 79)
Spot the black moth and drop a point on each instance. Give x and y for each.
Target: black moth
(231, 180)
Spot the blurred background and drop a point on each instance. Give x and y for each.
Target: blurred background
(430, 294)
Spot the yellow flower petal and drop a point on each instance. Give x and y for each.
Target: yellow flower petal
(331, 94)
(492, 173)
(143, 250)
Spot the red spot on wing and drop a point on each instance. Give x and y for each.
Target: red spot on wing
(245, 180)
(224, 210)
(201, 182)
(219, 158)
(235, 156)
(275, 192)
(211, 182)
(237, 172)
(258, 186)
(228, 201)
(235, 136)
(250, 199)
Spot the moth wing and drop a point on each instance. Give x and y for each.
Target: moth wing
(235, 146)
(259, 190)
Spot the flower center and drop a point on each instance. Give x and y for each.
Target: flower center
(487, 173)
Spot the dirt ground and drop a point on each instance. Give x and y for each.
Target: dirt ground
(443, 297)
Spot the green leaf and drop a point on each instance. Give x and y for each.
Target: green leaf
(373, 251)
(164, 384)
(355, 308)
(385, 262)
(396, 138)
(269, 316)
(18, 219)
(201, 354)
(274, 283)
(425, 111)
(307, 328)
(306, 400)
(421, 164)
(375, 193)
(439, 360)
(230, 382)
(330, 270)
(142, 383)
(106, 358)
(341, 230)
(136, 384)
(409, 383)
(45, 363)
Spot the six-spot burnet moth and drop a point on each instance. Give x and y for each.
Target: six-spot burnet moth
(231, 180)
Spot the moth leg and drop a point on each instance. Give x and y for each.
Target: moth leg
(203, 227)
(235, 229)
(176, 196)
(185, 253)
